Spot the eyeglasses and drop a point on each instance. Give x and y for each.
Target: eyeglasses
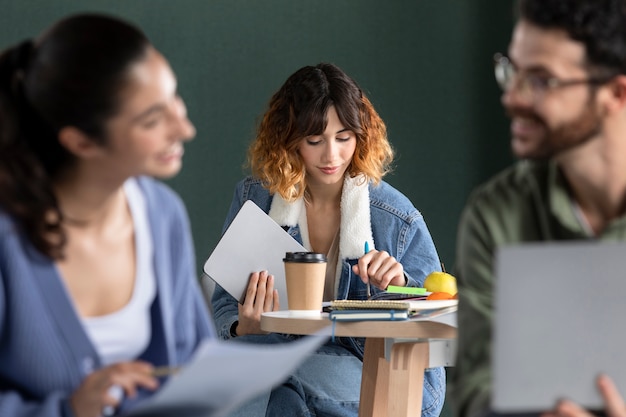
(533, 85)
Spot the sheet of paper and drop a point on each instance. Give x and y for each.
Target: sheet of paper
(445, 315)
(559, 307)
(253, 242)
(224, 375)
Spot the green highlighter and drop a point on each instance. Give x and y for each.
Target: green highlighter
(406, 290)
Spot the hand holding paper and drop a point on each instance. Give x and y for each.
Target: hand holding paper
(260, 297)
(221, 376)
(253, 242)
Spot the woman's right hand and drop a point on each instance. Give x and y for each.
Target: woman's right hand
(92, 396)
(260, 297)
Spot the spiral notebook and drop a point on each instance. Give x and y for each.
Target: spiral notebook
(368, 314)
(389, 309)
(370, 305)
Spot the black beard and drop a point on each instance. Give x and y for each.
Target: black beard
(566, 136)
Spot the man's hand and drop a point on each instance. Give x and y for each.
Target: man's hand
(613, 402)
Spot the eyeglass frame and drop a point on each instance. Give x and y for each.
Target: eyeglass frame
(542, 85)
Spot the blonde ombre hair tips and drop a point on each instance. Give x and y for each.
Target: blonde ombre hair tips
(299, 109)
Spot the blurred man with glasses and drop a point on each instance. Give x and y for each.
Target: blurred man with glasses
(564, 89)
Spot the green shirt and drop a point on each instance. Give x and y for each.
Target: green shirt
(527, 202)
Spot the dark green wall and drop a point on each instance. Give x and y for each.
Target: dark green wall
(426, 65)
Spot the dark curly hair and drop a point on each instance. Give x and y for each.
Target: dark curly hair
(600, 25)
(299, 109)
(70, 76)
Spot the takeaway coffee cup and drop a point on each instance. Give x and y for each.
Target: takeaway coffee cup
(305, 274)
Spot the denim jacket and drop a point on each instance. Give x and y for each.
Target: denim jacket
(390, 222)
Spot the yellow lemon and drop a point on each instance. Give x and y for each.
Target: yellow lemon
(440, 282)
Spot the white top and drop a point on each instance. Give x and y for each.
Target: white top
(125, 334)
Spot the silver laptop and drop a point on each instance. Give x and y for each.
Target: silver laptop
(559, 322)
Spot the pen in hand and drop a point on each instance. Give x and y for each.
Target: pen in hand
(369, 286)
(161, 371)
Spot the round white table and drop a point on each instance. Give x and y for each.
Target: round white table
(388, 387)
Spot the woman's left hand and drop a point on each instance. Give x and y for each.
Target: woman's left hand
(380, 269)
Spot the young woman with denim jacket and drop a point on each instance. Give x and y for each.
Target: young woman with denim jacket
(318, 160)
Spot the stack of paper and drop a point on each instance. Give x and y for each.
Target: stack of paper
(355, 310)
(352, 310)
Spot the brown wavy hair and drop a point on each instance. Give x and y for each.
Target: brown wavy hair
(72, 75)
(299, 109)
